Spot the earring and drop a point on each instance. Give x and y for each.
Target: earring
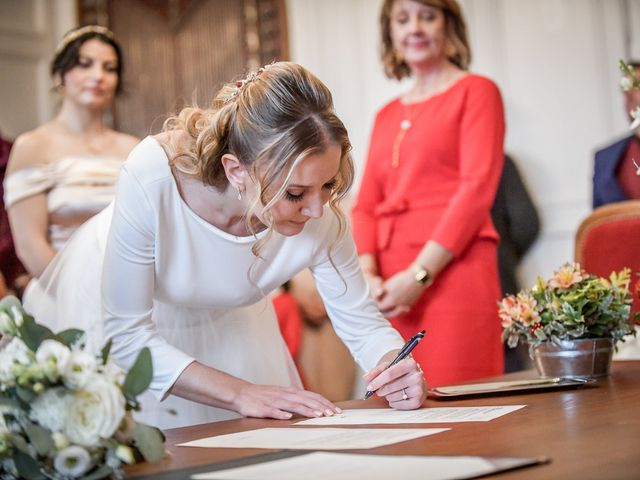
(239, 193)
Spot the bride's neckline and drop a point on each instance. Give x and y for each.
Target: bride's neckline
(214, 228)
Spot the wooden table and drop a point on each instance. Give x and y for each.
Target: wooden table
(588, 433)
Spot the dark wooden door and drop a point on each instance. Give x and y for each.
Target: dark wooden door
(179, 52)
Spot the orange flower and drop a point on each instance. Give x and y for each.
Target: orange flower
(509, 310)
(528, 312)
(521, 309)
(567, 275)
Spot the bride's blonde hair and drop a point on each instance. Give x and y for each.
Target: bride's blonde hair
(271, 120)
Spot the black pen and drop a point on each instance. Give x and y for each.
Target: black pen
(404, 353)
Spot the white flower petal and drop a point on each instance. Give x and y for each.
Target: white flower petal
(72, 462)
(95, 412)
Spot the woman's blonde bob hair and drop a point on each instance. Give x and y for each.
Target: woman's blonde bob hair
(456, 47)
(271, 120)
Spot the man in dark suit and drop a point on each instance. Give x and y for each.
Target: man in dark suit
(615, 176)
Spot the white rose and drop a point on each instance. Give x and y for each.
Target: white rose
(626, 83)
(80, 367)
(72, 462)
(50, 409)
(52, 356)
(7, 325)
(95, 412)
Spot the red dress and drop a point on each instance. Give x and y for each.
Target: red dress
(442, 189)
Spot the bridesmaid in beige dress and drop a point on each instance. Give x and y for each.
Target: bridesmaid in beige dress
(64, 172)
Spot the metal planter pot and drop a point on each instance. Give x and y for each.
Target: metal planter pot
(586, 358)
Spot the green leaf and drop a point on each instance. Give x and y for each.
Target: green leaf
(27, 467)
(10, 403)
(150, 442)
(102, 471)
(70, 336)
(106, 350)
(33, 334)
(40, 438)
(26, 395)
(139, 377)
(21, 444)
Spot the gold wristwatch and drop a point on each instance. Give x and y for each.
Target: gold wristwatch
(421, 274)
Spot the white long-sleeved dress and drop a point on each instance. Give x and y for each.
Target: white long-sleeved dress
(189, 291)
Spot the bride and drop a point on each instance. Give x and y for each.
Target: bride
(210, 216)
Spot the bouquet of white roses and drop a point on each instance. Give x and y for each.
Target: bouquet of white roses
(65, 413)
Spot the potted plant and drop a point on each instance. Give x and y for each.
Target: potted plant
(571, 321)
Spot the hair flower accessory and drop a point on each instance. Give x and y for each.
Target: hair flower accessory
(65, 413)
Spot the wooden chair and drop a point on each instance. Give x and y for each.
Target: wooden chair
(609, 239)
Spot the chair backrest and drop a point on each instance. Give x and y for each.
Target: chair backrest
(609, 239)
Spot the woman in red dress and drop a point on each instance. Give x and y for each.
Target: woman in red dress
(422, 218)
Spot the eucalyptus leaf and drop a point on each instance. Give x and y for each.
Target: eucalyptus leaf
(26, 395)
(106, 351)
(69, 336)
(40, 438)
(139, 376)
(21, 444)
(27, 466)
(103, 471)
(150, 442)
(10, 403)
(33, 334)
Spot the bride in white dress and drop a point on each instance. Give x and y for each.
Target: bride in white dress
(65, 171)
(210, 216)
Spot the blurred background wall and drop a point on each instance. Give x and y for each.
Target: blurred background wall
(554, 60)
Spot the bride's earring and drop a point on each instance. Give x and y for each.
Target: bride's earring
(239, 193)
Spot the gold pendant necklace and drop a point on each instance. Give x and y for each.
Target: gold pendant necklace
(405, 124)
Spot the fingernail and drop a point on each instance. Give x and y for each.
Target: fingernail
(328, 412)
(369, 388)
(317, 413)
(288, 414)
(338, 410)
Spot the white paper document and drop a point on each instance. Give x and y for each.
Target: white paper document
(313, 438)
(347, 466)
(372, 416)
